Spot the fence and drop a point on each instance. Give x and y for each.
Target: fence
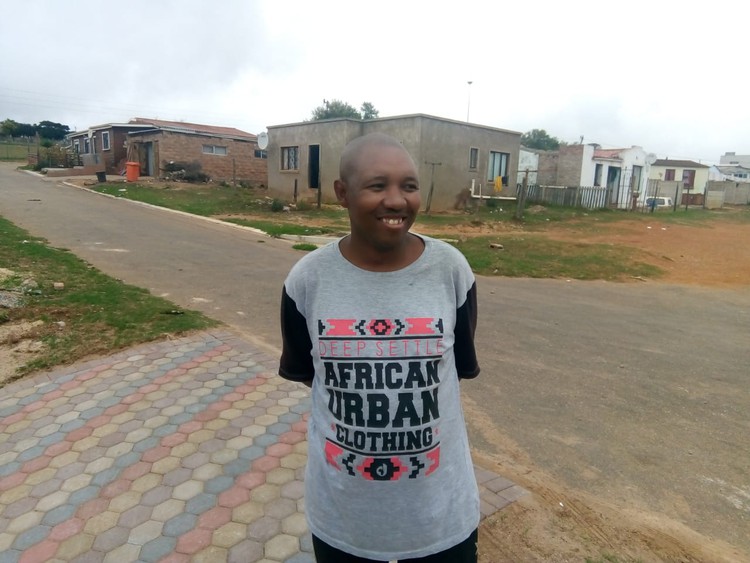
(16, 151)
(590, 197)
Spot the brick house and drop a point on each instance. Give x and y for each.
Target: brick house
(102, 148)
(224, 153)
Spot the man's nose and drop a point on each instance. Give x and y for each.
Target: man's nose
(394, 196)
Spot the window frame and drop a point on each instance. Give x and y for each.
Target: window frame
(106, 145)
(261, 153)
(290, 158)
(211, 149)
(669, 174)
(473, 158)
(503, 168)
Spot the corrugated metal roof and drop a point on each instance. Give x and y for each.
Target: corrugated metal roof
(194, 128)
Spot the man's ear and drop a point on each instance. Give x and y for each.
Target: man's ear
(339, 187)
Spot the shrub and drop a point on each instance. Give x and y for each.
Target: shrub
(277, 205)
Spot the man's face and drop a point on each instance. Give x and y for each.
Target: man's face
(382, 196)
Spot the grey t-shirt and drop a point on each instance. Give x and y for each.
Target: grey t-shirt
(389, 473)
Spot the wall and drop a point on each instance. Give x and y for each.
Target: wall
(239, 164)
(570, 165)
(547, 175)
(734, 193)
(528, 160)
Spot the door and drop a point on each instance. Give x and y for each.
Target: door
(313, 167)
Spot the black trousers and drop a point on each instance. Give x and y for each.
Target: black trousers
(464, 552)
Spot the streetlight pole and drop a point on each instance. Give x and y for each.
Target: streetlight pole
(468, 105)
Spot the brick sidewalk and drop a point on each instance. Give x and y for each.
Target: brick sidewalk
(184, 450)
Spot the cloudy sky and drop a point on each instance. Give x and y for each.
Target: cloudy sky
(666, 75)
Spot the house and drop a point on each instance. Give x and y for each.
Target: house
(730, 158)
(452, 157)
(729, 173)
(689, 178)
(102, 148)
(623, 171)
(224, 153)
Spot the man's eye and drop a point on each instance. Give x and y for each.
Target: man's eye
(411, 187)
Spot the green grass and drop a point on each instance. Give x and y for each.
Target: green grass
(536, 256)
(15, 152)
(206, 200)
(93, 314)
(305, 246)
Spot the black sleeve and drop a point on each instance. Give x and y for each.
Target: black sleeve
(296, 362)
(467, 365)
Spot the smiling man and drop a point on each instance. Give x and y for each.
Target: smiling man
(381, 325)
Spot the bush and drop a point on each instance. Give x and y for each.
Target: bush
(277, 205)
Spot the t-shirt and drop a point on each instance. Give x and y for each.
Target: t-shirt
(389, 472)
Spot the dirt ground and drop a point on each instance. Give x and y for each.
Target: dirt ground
(555, 524)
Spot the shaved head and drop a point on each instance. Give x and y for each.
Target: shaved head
(353, 150)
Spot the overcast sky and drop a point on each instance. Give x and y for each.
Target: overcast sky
(668, 76)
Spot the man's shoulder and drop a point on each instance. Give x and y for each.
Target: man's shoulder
(445, 252)
(320, 258)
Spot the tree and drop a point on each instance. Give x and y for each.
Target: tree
(52, 130)
(540, 139)
(369, 111)
(335, 108)
(9, 128)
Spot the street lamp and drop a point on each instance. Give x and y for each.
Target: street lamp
(468, 105)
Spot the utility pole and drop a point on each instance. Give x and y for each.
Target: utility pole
(432, 184)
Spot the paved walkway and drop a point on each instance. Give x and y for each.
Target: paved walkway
(184, 450)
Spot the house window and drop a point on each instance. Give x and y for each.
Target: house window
(473, 158)
(260, 154)
(290, 158)
(86, 145)
(77, 146)
(598, 175)
(669, 175)
(105, 140)
(498, 166)
(214, 149)
(688, 179)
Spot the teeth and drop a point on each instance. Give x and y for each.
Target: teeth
(392, 221)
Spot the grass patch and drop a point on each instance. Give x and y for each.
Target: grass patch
(93, 314)
(305, 246)
(276, 229)
(539, 257)
(205, 200)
